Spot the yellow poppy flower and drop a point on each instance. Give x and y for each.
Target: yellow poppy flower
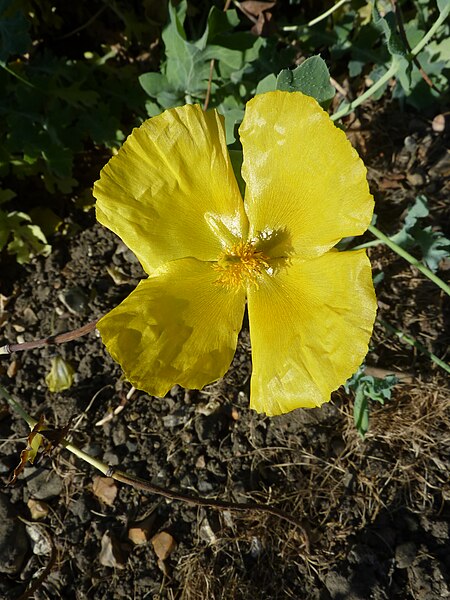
(171, 195)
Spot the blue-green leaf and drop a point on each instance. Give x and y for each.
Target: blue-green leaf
(311, 77)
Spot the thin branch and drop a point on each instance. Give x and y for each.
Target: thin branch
(52, 340)
(404, 337)
(142, 484)
(317, 19)
(407, 256)
(393, 68)
(401, 28)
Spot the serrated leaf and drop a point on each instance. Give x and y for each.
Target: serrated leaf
(311, 77)
(61, 375)
(433, 245)
(27, 239)
(368, 388)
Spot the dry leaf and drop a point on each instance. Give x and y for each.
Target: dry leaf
(139, 533)
(255, 7)
(13, 368)
(37, 508)
(105, 489)
(111, 553)
(34, 441)
(163, 545)
(61, 375)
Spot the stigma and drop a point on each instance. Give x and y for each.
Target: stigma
(241, 264)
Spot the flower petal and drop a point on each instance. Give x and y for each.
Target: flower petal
(306, 186)
(177, 326)
(171, 191)
(310, 325)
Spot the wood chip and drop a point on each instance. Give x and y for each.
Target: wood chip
(137, 535)
(105, 489)
(38, 509)
(163, 545)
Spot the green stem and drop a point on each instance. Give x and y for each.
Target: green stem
(142, 484)
(32, 422)
(350, 107)
(395, 65)
(14, 74)
(427, 37)
(407, 256)
(317, 19)
(404, 337)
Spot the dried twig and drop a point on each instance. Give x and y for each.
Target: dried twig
(51, 340)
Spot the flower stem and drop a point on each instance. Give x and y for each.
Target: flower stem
(317, 19)
(142, 484)
(395, 65)
(404, 337)
(427, 37)
(407, 256)
(350, 107)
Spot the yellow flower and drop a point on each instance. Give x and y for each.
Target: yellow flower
(171, 195)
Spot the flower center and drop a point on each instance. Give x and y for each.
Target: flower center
(241, 264)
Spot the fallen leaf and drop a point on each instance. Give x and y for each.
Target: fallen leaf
(105, 489)
(34, 441)
(37, 508)
(139, 533)
(163, 545)
(255, 7)
(111, 553)
(61, 375)
(13, 368)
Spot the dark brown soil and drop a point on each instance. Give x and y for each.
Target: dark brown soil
(376, 511)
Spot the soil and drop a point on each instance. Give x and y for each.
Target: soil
(376, 511)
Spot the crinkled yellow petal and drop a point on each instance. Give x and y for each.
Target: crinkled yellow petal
(310, 324)
(177, 326)
(170, 192)
(306, 186)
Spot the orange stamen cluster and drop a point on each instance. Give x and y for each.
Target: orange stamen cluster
(241, 264)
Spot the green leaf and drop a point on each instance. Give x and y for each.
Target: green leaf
(14, 38)
(388, 26)
(368, 388)
(311, 77)
(442, 5)
(6, 195)
(27, 239)
(361, 413)
(433, 245)
(268, 84)
(60, 376)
